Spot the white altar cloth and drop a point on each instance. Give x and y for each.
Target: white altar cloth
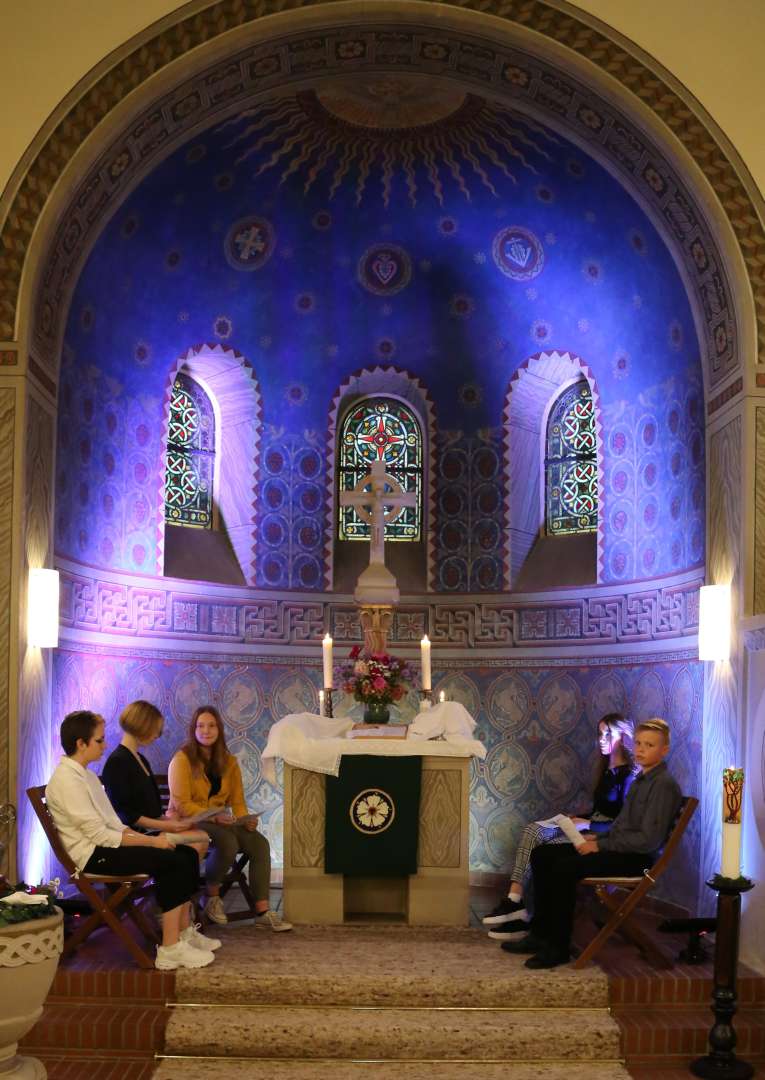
(317, 743)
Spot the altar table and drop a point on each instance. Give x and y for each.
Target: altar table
(437, 895)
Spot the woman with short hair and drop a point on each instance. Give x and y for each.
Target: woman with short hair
(98, 842)
(204, 775)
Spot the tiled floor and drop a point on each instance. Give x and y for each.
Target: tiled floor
(110, 1016)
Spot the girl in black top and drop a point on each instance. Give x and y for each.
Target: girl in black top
(616, 771)
(133, 791)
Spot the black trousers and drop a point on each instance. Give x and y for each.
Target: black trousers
(175, 872)
(556, 869)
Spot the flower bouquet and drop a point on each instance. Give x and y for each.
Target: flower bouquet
(377, 680)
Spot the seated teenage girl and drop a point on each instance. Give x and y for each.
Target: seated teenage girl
(203, 775)
(616, 771)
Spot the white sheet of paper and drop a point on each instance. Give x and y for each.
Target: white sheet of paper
(378, 731)
(567, 827)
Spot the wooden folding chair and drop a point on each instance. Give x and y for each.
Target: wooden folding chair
(118, 896)
(621, 907)
(235, 876)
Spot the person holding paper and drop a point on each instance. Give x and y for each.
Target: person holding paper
(130, 783)
(615, 773)
(98, 842)
(203, 776)
(629, 848)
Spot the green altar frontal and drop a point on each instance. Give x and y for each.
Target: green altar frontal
(435, 894)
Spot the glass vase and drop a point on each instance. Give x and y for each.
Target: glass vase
(376, 712)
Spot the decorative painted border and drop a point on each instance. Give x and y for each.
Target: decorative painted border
(534, 84)
(401, 383)
(9, 357)
(127, 606)
(729, 393)
(571, 365)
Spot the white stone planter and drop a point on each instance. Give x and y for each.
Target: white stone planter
(29, 954)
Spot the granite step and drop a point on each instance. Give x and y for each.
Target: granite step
(393, 1033)
(205, 1069)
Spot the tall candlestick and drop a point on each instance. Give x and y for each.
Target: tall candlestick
(321, 703)
(326, 647)
(733, 793)
(425, 655)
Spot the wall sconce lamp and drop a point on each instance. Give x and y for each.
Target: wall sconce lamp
(42, 608)
(714, 622)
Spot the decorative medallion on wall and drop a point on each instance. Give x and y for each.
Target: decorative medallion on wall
(249, 243)
(372, 811)
(385, 269)
(518, 253)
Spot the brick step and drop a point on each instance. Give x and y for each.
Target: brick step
(77, 1065)
(684, 987)
(669, 1036)
(98, 1026)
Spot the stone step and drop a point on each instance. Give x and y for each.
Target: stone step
(393, 1033)
(368, 965)
(204, 1069)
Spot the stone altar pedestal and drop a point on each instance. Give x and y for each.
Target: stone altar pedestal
(437, 895)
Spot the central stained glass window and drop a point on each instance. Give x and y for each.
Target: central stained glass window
(571, 467)
(381, 429)
(190, 456)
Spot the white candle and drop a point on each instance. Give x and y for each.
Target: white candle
(321, 703)
(733, 791)
(442, 696)
(425, 654)
(326, 647)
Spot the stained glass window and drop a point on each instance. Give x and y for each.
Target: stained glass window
(381, 429)
(571, 465)
(190, 456)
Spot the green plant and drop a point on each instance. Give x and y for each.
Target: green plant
(12, 914)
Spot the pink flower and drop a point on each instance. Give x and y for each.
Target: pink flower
(378, 682)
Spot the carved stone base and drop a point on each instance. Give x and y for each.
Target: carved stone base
(376, 623)
(437, 895)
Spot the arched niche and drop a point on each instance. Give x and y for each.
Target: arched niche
(533, 390)
(232, 387)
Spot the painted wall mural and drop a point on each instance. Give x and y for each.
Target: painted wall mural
(240, 239)
(537, 722)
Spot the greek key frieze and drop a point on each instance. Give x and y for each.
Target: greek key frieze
(126, 608)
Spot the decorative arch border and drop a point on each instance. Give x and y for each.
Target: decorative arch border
(230, 381)
(533, 387)
(369, 382)
(548, 89)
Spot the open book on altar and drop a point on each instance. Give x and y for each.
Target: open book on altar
(567, 827)
(378, 731)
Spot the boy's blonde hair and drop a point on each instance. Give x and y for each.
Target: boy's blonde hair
(655, 724)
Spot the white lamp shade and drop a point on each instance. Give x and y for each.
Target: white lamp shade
(42, 609)
(714, 622)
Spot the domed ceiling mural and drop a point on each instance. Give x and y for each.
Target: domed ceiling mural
(400, 222)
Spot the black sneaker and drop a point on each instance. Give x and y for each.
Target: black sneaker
(506, 911)
(547, 958)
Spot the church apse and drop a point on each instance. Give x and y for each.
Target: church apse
(433, 234)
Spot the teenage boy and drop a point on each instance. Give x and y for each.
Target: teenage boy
(630, 846)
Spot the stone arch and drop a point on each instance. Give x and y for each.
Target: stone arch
(533, 389)
(373, 382)
(233, 388)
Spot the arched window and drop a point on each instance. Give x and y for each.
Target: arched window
(571, 467)
(190, 456)
(381, 429)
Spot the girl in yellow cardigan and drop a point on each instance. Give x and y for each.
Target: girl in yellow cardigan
(204, 775)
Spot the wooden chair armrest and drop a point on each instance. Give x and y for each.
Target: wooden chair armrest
(116, 879)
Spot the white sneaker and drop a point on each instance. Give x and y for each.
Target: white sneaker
(272, 920)
(181, 955)
(192, 936)
(214, 911)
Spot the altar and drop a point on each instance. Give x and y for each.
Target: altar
(438, 893)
